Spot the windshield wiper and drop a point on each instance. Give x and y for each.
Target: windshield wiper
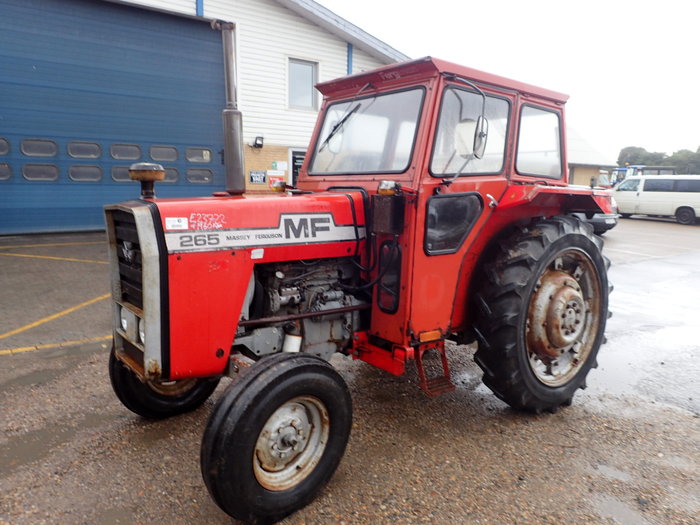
(336, 127)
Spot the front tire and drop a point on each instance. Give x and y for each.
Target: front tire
(275, 437)
(157, 399)
(540, 313)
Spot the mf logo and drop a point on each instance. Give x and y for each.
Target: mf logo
(305, 227)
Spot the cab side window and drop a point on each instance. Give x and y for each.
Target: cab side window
(539, 143)
(628, 185)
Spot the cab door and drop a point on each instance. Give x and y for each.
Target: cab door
(456, 198)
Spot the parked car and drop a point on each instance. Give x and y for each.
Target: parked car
(601, 222)
(660, 195)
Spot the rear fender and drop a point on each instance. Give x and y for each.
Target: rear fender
(555, 200)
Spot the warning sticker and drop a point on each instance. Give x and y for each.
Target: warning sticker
(176, 223)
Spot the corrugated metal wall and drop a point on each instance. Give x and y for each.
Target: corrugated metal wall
(87, 88)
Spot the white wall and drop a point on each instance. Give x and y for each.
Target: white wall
(361, 61)
(185, 7)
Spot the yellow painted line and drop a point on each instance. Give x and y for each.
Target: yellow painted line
(51, 244)
(54, 316)
(68, 259)
(9, 351)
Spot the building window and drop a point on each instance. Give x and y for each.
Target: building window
(202, 155)
(303, 76)
(39, 148)
(40, 172)
(125, 151)
(84, 150)
(5, 171)
(171, 175)
(85, 173)
(199, 176)
(164, 153)
(121, 174)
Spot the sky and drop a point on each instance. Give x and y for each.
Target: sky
(630, 67)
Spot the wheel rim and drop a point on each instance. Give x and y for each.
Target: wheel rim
(172, 388)
(685, 216)
(563, 318)
(291, 443)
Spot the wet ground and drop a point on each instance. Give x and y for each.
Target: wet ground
(627, 452)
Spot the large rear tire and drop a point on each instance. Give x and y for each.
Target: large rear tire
(540, 313)
(275, 437)
(157, 399)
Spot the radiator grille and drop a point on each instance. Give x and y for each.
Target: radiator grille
(129, 257)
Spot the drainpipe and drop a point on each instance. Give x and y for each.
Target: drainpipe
(232, 117)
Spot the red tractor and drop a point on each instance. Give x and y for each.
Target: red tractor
(433, 205)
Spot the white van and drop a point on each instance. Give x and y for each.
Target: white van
(665, 195)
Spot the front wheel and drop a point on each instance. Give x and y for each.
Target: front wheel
(275, 437)
(541, 312)
(157, 399)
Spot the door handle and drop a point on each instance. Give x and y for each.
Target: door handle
(492, 202)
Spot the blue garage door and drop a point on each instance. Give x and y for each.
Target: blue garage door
(88, 88)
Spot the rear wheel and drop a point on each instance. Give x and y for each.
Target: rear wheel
(685, 216)
(157, 399)
(276, 436)
(541, 312)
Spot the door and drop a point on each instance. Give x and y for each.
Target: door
(88, 88)
(627, 196)
(458, 195)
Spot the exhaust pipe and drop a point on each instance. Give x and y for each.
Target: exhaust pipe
(231, 116)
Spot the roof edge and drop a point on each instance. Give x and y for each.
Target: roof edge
(340, 27)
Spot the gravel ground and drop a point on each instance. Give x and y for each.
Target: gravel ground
(72, 454)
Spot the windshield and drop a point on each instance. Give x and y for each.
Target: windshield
(368, 135)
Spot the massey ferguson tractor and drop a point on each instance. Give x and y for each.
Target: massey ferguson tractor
(433, 206)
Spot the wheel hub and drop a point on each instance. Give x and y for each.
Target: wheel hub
(557, 314)
(286, 435)
(291, 443)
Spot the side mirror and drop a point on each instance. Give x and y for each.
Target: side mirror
(470, 137)
(480, 136)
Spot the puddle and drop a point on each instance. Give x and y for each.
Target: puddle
(618, 511)
(32, 446)
(36, 444)
(613, 473)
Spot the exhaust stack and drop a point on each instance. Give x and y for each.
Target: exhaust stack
(231, 116)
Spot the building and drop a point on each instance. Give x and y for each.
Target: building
(585, 162)
(89, 87)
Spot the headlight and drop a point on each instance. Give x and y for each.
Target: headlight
(123, 318)
(142, 331)
(613, 203)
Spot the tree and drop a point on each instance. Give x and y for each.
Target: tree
(683, 161)
(636, 155)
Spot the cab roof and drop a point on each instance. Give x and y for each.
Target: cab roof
(427, 67)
